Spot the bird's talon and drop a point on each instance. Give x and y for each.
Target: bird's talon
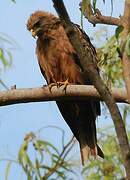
(65, 83)
(50, 86)
(58, 84)
(53, 84)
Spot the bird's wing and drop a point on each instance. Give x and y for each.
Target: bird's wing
(79, 115)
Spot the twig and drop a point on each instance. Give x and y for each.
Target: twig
(98, 18)
(67, 148)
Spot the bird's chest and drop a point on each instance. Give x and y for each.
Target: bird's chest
(51, 59)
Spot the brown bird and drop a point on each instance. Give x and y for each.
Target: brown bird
(60, 64)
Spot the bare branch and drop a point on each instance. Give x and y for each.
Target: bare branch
(98, 18)
(78, 92)
(125, 57)
(67, 148)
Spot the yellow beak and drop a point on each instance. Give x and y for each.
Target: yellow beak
(33, 33)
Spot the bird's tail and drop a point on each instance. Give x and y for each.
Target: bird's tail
(86, 151)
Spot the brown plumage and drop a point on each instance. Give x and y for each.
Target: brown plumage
(59, 62)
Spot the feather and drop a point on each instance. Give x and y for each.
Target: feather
(59, 62)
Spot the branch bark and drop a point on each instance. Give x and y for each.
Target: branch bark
(87, 61)
(79, 92)
(98, 18)
(125, 58)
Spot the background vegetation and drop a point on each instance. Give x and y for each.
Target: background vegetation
(40, 159)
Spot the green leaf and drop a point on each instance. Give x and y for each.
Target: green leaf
(127, 46)
(39, 148)
(22, 156)
(86, 6)
(61, 174)
(7, 170)
(3, 59)
(22, 151)
(94, 4)
(10, 58)
(118, 30)
(84, 2)
(38, 168)
(6, 57)
(27, 160)
(45, 143)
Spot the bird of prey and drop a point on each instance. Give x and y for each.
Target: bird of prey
(59, 63)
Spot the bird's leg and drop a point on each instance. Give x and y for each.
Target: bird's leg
(59, 84)
(51, 85)
(65, 83)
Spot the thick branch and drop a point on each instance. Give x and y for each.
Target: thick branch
(126, 58)
(78, 92)
(98, 18)
(87, 61)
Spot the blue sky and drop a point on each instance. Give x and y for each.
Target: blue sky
(18, 120)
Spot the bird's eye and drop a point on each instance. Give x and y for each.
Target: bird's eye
(37, 24)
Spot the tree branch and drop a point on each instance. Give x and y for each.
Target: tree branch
(125, 57)
(98, 18)
(78, 92)
(126, 60)
(87, 61)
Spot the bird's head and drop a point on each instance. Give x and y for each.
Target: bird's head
(39, 22)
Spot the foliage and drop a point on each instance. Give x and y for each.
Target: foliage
(112, 166)
(92, 5)
(40, 159)
(7, 44)
(127, 46)
(110, 63)
(46, 154)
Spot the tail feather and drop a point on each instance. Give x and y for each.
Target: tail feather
(86, 151)
(82, 124)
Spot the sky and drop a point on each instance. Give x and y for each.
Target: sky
(18, 120)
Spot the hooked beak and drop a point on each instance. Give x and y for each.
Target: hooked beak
(33, 33)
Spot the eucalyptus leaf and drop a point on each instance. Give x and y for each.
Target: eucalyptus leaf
(45, 143)
(94, 4)
(127, 46)
(118, 30)
(2, 57)
(8, 166)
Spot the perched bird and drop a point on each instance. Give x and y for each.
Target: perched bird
(60, 64)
